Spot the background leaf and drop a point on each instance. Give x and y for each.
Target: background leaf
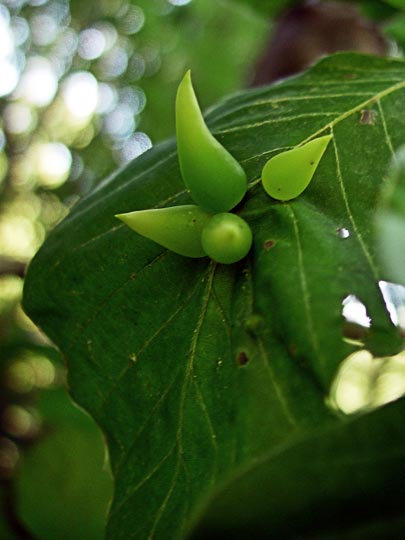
(391, 221)
(348, 476)
(193, 369)
(63, 486)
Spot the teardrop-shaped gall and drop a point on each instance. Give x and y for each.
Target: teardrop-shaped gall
(286, 175)
(226, 238)
(214, 178)
(177, 228)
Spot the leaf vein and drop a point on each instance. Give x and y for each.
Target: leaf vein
(355, 109)
(163, 506)
(279, 392)
(141, 482)
(349, 212)
(204, 408)
(188, 375)
(279, 120)
(304, 286)
(385, 127)
(83, 326)
(149, 341)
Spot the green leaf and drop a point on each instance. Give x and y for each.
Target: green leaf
(191, 368)
(344, 482)
(62, 485)
(400, 4)
(390, 221)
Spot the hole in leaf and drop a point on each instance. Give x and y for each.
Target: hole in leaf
(242, 358)
(355, 311)
(394, 297)
(343, 232)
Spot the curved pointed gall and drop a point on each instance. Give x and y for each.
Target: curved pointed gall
(286, 175)
(177, 228)
(214, 178)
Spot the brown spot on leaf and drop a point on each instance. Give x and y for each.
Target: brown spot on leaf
(268, 244)
(349, 75)
(368, 117)
(242, 358)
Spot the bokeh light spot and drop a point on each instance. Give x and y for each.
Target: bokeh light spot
(179, 2)
(2, 140)
(136, 145)
(44, 29)
(107, 98)
(17, 236)
(19, 422)
(17, 118)
(53, 164)
(136, 67)
(133, 20)
(37, 3)
(133, 97)
(109, 32)
(120, 122)
(114, 63)
(10, 291)
(8, 68)
(29, 372)
(9, 457)
(92, 44)
(80, 94)
(38, 83)
(20, 29)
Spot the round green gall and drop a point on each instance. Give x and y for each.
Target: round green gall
(226, 238)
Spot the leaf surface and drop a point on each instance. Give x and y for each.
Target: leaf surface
(349, 476)
(390, 221)
(193, 369)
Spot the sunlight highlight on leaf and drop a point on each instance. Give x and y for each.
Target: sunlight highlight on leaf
(364, 382)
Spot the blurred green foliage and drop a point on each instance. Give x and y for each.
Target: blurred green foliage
(67, 472)
(85, 87)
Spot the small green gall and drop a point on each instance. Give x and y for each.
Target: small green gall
(214, 178)
(226, 238)
(286, 175)
(177, 228)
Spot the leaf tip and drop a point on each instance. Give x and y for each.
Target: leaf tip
(127, 218)
(186, 80)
